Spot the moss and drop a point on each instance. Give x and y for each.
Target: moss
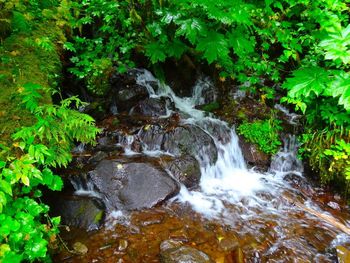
(98, 217)
(24, 60)
(210, 107)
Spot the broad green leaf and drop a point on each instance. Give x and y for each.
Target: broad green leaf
(176, 49)
(340, 87)
(214, 46)
(155, 51)
(240, 43)
(306, 81)
(337, 45)
(6, 187)
(191, 29)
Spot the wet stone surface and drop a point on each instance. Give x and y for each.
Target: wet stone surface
(127, 184)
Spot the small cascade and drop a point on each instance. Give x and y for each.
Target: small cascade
(286, 160)
(83, 187)
(266, 209)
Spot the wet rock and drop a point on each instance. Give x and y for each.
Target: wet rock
(80, 212)
(253, 156)
(107, 143)
(192, 140)
(152, 107)
(185, 169)
(97, 157)
(216, 128)
(125, 92)
(182, 140)
(152, 136)
(132, 185)
(169, 244)
(174, 252)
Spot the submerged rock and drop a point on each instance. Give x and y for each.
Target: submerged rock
(174, 252)
(80, 248)
(80, 212)
(132, 185)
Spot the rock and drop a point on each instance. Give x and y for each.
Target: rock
(152, 107)
(80, 212)
(97, 157)
(182, 140)
(125, 92)
(229, 244)
(253, 156)
(131, 185)
(184, 169)
(152, 136)
(80, 248)
(343, 254)
(169, 244)
(216, 128)
(192, 140)
(174, 252)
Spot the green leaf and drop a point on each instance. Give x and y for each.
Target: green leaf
(56, 184)
(191, 29)
(214, 46)
(155, 51)
(6, 187)
(337, 45)
(25, 180)
(240, 43)
(176, 49)
(306, 81)
(340, 87)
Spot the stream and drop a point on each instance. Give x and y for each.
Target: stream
(228, 212)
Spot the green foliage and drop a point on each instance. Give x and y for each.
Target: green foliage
(265, 134)
(26, 229)
(210, 107)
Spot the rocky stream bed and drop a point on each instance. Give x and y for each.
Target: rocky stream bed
(167, 182)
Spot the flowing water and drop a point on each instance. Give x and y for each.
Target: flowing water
(276, 216)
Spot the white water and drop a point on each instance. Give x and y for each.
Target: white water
(228, 180)
(235, 195)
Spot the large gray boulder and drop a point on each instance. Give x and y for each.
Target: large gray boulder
(131, 185)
